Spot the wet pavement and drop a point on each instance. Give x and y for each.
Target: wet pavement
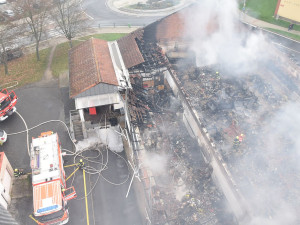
(107, 204)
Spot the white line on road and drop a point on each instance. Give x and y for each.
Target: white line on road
(284, 47)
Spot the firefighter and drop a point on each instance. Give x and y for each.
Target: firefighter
(17, 173)
(236, 142)
(241, 138)
(81, 164)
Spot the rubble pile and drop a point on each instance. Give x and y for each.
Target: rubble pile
(185, 193)
(228, 108)
(234, 112)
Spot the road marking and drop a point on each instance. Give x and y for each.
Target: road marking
(86, 202)
(284, 46)
(84, 11)
(33, 219)
(92, 199)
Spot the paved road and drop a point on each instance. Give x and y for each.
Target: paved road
(107, 204)
(104, 16)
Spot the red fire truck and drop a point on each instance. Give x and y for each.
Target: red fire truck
(50, 194)
(8, 101)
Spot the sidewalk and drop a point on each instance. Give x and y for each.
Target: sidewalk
(90, 31)
(259, 23)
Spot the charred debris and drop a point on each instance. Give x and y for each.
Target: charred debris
(233, 110)
(184, 192)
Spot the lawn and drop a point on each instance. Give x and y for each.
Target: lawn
(106, 36)
(26, 69)
(284, 33)
(60, 58)
(60, 62)
(264, 10)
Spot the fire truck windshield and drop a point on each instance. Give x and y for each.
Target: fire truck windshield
(51, 217)
(4, 103)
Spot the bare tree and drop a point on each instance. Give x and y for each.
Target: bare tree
(35, 15)
(9, 32)
(69, 18)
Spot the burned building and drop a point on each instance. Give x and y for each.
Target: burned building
(184, 192)
(204, 122)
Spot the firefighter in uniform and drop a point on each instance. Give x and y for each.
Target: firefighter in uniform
(236, 142)
(81, 164)
(17, 173)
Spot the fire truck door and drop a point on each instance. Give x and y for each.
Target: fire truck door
(12, 96)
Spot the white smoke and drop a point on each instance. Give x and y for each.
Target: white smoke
(157, 163)
(219, 38)
(110, 137)
(271, 164)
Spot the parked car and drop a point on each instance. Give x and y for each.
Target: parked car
(3, 1)
(19, 10)
(11, 53)
(3, 137)
(8, 13)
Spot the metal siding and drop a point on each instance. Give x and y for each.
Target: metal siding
(99, 89)
(97, 100)
(6, 218)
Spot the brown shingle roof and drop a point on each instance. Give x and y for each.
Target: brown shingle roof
(176, 26)
(90, 64)
(170, 27)
(129, 49)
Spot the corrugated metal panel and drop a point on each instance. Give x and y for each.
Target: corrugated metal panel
(6, 218)
(99, 89)
(97, 100)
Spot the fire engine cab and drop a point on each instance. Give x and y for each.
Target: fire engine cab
(8, 101)
(50, 195)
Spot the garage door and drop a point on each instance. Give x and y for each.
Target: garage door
(6, 181)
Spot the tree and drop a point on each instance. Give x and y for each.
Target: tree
(69, 18)
(9, 32)
(35, 15)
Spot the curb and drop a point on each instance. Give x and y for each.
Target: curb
(149, 13)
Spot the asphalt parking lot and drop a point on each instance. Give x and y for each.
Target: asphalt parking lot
(107, 204)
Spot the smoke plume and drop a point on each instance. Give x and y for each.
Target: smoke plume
(219, 38)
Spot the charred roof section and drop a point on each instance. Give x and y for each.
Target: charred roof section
(129, 49)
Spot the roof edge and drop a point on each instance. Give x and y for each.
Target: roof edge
(73, 96)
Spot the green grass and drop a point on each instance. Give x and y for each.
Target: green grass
(25, 69)
(106, 36)
(60, 63)
(264, 10)
(284, 33)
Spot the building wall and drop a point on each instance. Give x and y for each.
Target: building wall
(141, 189)
(288, 10)
(97, 100)
(5, 166)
